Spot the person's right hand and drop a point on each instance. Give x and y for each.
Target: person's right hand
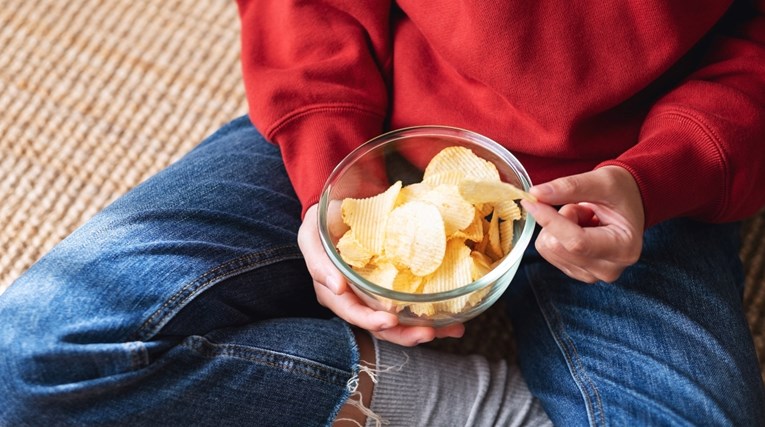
(333, 292)
(598, 231)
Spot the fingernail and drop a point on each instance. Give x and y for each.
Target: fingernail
(541, 190)
(387, 325)
(530, 207)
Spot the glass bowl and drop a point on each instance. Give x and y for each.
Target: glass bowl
(402, 155)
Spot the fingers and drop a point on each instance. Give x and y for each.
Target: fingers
(456, 330)
(407, 336)
(319, 265)
(584, 269)
(335, 224)
(413, 335)
(350, 308)
(581, 214)
(333, 292)
(381, 324)
(588, 254)
(589, 186)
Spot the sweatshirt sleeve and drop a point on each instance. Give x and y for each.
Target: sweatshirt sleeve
(314, 75)
(701, 150)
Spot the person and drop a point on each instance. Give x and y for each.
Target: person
(193, 298)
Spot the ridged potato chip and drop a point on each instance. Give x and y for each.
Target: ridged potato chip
(508, 210)
(461, 160)
(414, 237)
(352, 252)
(383, 274)
(367, 217)
(408, 282)
(481, 265)
(413, 192)
(506, 236)
(455, 271)
(478, 191)
(494, 249)
(448, 177)
(455, 210)
(474, 231)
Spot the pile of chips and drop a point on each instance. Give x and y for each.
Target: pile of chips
(436, 235)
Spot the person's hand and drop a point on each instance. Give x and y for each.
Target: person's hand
(598, 231)
(333, 292)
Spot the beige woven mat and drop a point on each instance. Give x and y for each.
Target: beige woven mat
(97, 95)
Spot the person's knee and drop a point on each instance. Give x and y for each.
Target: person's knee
(53, 354)
(28, 365)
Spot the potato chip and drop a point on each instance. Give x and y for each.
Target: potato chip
(413, 192)
(483, 244)
(476, 191)
(462, 160)
(506, 230)
(508, 210)
(414, 237)
(485, 208)
(353, 252)
(423, 308)
(367, 217)
(383, 274)
(474, 231)
(408, 282)
(481, 265)
(494, 249)
(454, 271)
(448, 177)
(476, 297)
(456, 211)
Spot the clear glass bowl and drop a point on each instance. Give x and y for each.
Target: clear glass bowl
(402, 155)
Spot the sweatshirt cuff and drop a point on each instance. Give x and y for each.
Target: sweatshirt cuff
(679, 168)
(313, 142)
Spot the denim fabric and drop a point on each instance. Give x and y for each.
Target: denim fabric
(666, 344)
(187, 302)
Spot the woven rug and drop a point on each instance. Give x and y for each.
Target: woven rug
(98, 95)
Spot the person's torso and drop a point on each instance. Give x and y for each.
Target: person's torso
(563, 85)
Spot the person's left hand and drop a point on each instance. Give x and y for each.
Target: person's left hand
(334, 292)
(598, 230)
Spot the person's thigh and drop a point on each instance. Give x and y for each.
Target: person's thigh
(666, 344)
(185, 301)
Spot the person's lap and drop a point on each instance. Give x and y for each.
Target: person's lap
(184, 302)
(188, 300)
(667, 343)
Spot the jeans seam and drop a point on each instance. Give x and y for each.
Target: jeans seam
(228, 269)
(292, 364)
(586, 387)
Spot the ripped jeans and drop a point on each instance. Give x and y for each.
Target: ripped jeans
(187, 302)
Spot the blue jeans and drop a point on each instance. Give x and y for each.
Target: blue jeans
(186, 302)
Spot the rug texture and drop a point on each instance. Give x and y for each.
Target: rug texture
(98, 95)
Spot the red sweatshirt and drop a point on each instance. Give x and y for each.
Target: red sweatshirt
(672, 91)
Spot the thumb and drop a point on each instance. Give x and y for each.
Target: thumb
(584, 187)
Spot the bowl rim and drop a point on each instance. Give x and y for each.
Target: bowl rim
(515, 255)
